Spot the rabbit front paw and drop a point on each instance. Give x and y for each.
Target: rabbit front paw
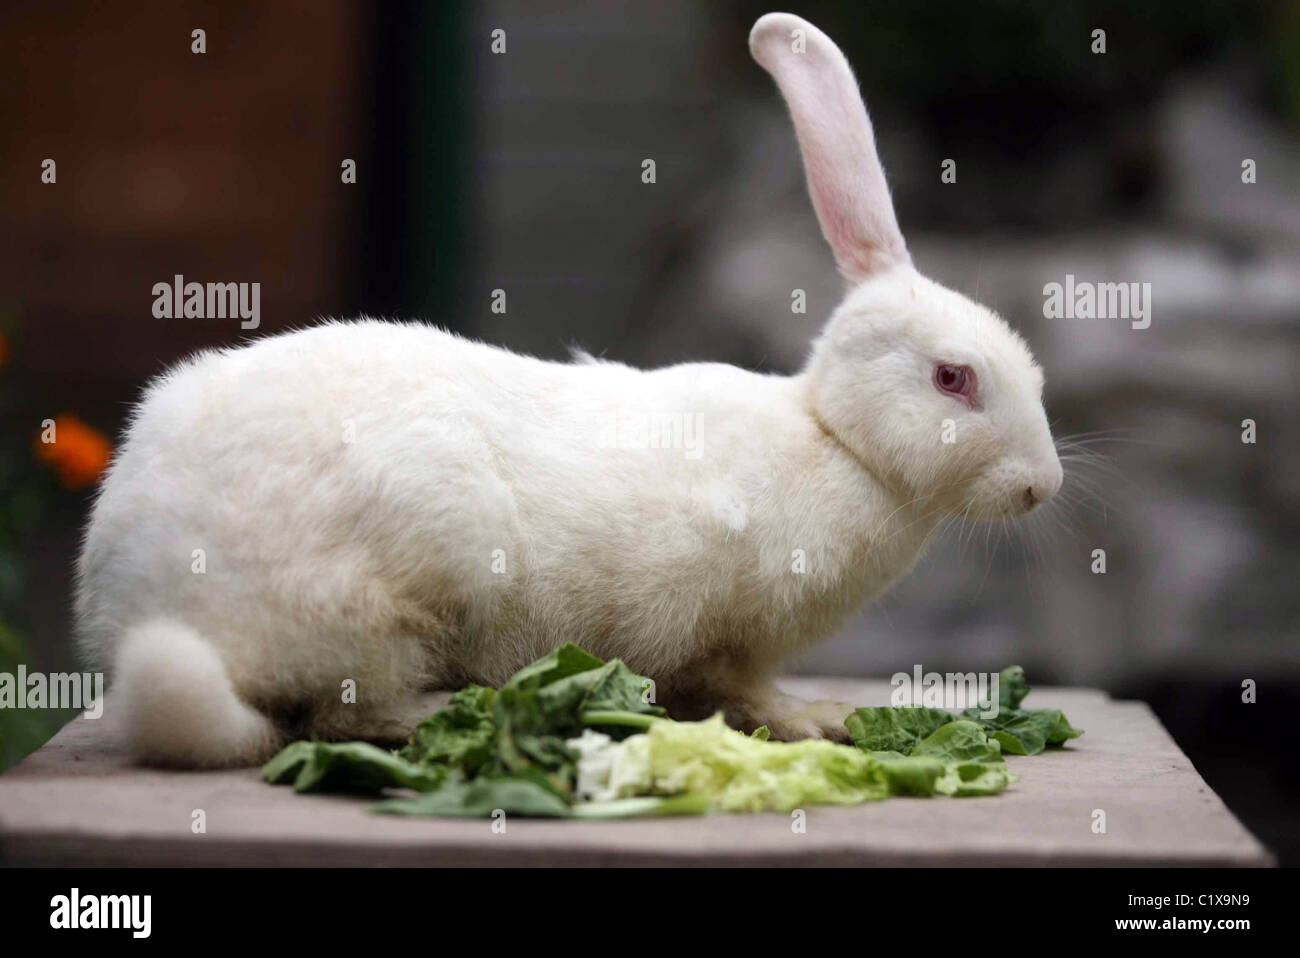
(790, 719)
(812, 720)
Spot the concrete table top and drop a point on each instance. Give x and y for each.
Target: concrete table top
(79, 801)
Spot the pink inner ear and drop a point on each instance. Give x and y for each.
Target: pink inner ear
(845, 178)
(860, 246)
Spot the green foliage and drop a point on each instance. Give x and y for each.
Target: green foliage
(461, 735)
(29, 491)
(956, 758)
(349, 766)
(894, 729)
(1023, 731)
(925, 751)
(740, 773)
(571, 736)
(22, 731)
(489, 748)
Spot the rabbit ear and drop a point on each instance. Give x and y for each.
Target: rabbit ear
(845, 177)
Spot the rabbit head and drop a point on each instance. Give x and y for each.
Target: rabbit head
(933, 393)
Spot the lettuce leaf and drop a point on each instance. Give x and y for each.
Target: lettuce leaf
(572, 736)
(567, 660)
(959, 741)
(888, 729)
(1027, 731)
(955, 757)
(514, 796)
(972, 761)
(645, 806)
(1023, 731)
(347, 767)
(460, 735)
(513, 738)
(1012, 687)
(968, 748)
(546, 703)
(910, 775)
(481, 797)
(741, 773)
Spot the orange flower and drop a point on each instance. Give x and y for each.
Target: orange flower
(78, 452)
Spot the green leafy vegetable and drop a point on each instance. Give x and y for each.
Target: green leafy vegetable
(1012, 688)
(910, 775)
(347, 766)
(1062, 731)
(893, 729)
(486, 796)
(957, 758)
(489, 748)
(479, 798)
(960, 741)
(553, 700)
(924, 750)
(460, 735)
(973, 763)
(1023, 731)
(613, 722)
(645, 806)
(572, 736)
(616, 688)
(1027, 731)
(567, 660)
(737, 772)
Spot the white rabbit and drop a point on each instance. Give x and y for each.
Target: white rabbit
(392, 509)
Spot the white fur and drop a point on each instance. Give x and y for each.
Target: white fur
(175, 692)
(396, 506)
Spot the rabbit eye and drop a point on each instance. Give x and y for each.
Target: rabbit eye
(956, 381)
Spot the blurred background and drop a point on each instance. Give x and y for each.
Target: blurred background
(521, 171)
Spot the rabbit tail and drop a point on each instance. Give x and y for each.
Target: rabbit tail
(178, 705)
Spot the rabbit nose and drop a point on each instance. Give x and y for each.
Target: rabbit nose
(1039, 491)
(1031, 498)
(1036, 495)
